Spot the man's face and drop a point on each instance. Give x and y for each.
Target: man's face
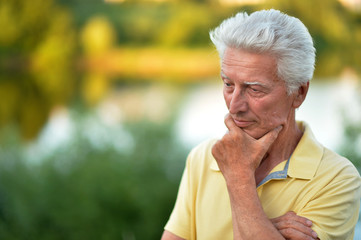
(256, 99)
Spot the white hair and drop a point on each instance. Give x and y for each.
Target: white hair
(274, 33)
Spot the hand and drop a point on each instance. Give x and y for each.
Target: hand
(294, 227)
(238, 152)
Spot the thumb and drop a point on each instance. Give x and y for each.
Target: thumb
(230, 124)
(270, 137)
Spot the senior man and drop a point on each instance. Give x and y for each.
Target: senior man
(268, 177)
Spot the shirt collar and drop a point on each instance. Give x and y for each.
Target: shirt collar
(307, 155)
(305, 158)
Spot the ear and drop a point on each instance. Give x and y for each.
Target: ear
(300, 95)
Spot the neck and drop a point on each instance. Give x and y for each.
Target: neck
(280, 150)
(286, 143)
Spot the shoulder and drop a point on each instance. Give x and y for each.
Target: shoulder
(337, 189)
(337, 180)
(204, 147)
(201, 157)
(339, 174)
(336, 166)
(312, 159)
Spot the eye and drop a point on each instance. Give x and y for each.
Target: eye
(228, 86)
(256, 91)
(227, 83)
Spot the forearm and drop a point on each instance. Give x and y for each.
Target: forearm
(249, 219)
(238, 156)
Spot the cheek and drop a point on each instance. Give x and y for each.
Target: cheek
(274, 116)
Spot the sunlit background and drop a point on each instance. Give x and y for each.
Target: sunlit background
(100, 102)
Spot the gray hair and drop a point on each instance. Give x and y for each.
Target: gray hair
(274, 33)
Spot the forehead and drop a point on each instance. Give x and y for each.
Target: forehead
(240, 64)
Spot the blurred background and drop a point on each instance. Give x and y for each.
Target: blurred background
(100, 102)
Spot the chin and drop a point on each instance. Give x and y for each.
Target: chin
(255, 134)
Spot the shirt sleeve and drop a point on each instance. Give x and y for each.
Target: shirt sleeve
(179, 222)
(334, 210)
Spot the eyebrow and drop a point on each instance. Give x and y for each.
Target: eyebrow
(224, 76)
(255, 83)
(246, 83)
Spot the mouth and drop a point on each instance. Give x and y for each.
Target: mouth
(243, 123)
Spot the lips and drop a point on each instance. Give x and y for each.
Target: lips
(243, 123)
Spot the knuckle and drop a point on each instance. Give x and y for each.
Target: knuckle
(290, 214)
(216, 145)
(234, 137)
(288, 232)
(227, 136)
(288, 223)
(216, 149)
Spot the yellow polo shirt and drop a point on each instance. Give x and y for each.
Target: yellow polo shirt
(315, 183)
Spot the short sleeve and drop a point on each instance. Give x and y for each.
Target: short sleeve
(179, 221)
(334, 210)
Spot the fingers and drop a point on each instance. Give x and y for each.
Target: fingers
(295, 230)
(293, 234)
(265, 142)
(293, 216)
(230, 124)
(292, 226)
(270, 137)
(217, 149)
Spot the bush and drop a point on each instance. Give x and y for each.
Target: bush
(84, 191)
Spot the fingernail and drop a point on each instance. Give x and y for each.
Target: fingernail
(309, 223)
(314, 234)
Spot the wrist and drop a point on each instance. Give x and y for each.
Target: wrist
(244, 178)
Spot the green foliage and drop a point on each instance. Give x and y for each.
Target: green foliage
(170, 24)
(37, 49)
(84, 190)
(351, 143)
(351, 146)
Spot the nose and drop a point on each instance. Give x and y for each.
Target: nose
(238, 103)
